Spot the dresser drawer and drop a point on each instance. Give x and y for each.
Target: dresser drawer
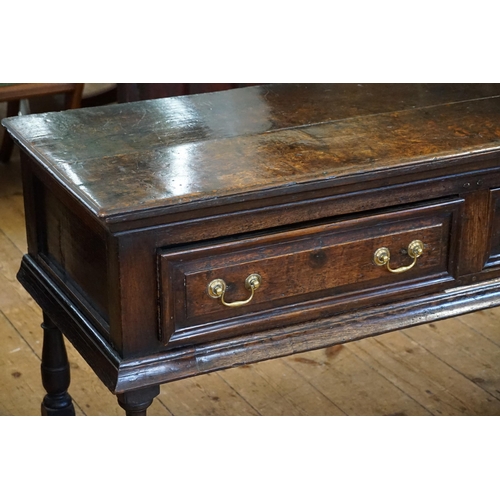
(206, 292)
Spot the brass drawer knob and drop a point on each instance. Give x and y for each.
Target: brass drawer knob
(217, 289)
(382, 256)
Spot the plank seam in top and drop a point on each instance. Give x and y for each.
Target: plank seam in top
(35, 148)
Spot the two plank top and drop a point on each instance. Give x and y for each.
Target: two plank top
(204, 149)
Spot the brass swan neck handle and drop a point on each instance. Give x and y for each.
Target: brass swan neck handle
(217, 289)
(382, 256)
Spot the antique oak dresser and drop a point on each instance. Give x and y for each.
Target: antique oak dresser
(174, 237)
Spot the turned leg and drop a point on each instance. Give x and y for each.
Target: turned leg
(55, 372)
(136, 403)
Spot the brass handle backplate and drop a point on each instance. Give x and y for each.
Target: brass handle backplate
(217, 289)
(382, 256)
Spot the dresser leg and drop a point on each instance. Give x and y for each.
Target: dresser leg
(55, 372)
(136, 403)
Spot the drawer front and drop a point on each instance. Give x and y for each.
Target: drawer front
(304, 273)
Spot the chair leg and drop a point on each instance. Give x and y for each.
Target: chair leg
(73, 100)
(7, 142)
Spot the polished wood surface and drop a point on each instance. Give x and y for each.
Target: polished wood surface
(130, 92)
(125, 233)
(202, 148)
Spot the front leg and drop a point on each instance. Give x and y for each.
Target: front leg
(135, 403)
(55, 372)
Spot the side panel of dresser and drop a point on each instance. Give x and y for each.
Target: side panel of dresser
(66, 269)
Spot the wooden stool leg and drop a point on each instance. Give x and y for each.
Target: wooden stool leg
(7, 142)
(55, 372)
(136, 403)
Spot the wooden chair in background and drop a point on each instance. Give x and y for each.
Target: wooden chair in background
(13, 93)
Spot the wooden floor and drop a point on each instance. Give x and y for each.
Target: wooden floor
(447, 368)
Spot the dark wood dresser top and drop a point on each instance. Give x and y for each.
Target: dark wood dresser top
(207, 150)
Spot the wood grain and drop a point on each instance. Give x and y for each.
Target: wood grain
(300, 267)
(180, 151)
